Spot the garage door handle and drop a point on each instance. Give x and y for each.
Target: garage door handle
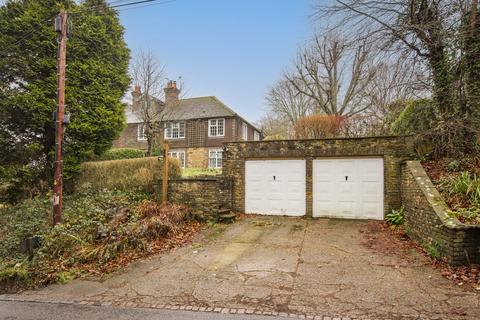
(274, 178)
(346, 178)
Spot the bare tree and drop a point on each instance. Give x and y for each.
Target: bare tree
(286, 102)
(151, 103)
(274, 126)
(444, 36)
(394, 83)
(323, 69)
(148, 75)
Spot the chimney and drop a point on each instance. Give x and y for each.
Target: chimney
(171, 92)
(136, 93)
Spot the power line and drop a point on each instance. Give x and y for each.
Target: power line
(95, 8)
(147, 5)
(120, 5)
(25, 36)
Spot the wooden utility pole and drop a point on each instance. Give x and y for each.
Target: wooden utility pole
(165, 174)
(61, 29)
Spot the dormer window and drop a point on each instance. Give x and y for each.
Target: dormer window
(175, 130)
(216, 127)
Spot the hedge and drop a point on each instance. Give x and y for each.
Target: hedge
(125, 174)
(121, 153)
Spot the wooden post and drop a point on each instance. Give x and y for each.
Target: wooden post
(61, 28)
(165, 174)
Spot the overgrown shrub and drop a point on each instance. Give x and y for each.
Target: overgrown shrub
(100, 231)
(418, 116)
(121, 153)
(125, 174)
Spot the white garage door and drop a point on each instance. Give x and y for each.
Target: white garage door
(348, 188)
(275, 187)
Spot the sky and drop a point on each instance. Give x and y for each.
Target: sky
(232, 49)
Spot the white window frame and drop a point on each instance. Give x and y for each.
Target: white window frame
(174, 130)
(244, 131)
(213, 125)
(215, 158)
(180, 155)
(141, 136)
(256, 135)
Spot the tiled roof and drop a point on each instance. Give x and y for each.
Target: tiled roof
(192, 108)
(197, 108)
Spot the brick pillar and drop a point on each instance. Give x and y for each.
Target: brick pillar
(309, 187)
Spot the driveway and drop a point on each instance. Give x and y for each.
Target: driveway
(282, 266)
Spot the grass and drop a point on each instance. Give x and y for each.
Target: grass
(197, 172)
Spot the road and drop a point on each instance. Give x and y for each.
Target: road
(14, 310)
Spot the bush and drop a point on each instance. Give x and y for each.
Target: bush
(125, 174)
(121, 153)
(418, 116)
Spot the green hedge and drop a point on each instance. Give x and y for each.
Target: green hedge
(125, 174)
(121, 153)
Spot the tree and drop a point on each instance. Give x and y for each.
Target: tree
(274, 126)
(286, 102)
(148, 75)
(393, 84)
(325, 66)
(152, 105)
(443, 36)
(97, 79)
(318, 126)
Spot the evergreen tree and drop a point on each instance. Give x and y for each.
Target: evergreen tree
(97, 79)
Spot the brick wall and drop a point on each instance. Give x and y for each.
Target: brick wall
(205, 195)
(129, 138)
(394, 151)
(428, 223)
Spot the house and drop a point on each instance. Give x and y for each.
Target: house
(195, 128)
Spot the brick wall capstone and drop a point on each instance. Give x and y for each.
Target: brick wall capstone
(428, 223)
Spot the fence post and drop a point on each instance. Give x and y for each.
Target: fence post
(165, 174)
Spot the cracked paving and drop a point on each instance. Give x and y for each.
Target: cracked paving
(285, 265)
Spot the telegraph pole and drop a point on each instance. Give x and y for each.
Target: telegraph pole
(61, 29)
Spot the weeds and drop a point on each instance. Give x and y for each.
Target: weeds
(100, 232)
(396, 217)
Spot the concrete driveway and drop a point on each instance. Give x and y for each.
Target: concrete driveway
(281, 266)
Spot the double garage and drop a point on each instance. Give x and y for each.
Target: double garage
(354, 178)
(341, 187)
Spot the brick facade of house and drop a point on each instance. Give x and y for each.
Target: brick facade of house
(195, 113)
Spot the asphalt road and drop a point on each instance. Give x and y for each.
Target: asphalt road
(10, 310)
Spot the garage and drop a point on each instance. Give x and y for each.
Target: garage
(275, 187)
(348, 188)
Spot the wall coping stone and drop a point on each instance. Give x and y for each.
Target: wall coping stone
(324, 139)
(434, 198)
(198, 178)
